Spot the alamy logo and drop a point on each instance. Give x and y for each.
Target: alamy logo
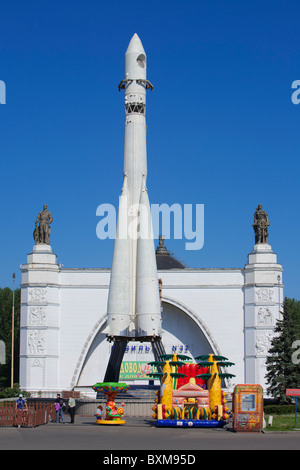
(296, 354)
(2, 353)
(296, 95)
(175, 221)
(2, 92)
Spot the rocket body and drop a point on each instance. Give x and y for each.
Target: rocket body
(134, 309)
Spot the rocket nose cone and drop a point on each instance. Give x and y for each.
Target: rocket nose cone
(135, 45)
(135, 59)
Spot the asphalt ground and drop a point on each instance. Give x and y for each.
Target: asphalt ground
(141, 438)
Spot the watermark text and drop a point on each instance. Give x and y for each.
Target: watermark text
(296, 354)
(141, 221)
(2, 92)
(296, 94)
(2, 353)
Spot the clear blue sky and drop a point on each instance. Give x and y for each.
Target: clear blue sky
(222, 129)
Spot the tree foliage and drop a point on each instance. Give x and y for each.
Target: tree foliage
(282, 371)
(296, 315)
(6, 303)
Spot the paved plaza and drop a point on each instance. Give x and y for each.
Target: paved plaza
(139, 434)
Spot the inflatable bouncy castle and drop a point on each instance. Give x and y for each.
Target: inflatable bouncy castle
(191, 394)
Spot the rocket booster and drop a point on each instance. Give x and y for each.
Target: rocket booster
(133, 309)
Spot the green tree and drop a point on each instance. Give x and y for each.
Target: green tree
(296, 315)
(6, 302)
(282, 372)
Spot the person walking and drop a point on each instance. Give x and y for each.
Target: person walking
(59, 406)
(21, 403)
(21, 410)
(72, 408)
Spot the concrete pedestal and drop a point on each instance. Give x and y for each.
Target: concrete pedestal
(42, 254)
(39, 346)
(263, 303)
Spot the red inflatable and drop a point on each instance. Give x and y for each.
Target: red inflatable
(191, 370)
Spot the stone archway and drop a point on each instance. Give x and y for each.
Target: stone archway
(92, 362)
(183, 332)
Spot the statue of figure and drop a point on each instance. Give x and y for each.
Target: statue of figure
(260, 226)
(41, 233)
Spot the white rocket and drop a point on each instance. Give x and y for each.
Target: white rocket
(134, 309)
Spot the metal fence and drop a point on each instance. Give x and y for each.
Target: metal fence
(35, 415)
(132, 408)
